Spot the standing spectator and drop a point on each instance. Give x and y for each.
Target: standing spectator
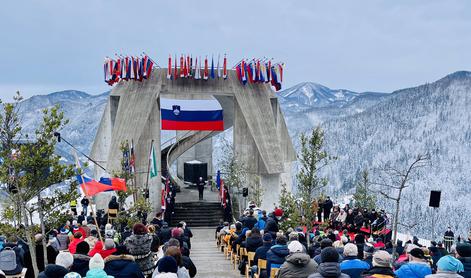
(382, 266)
(327, 206)
(168, 268)
(81, 259)
(73, 206)
(463, 254)
(448, 267)
(329, 267)
(122, 265)
(75, 241)
(51, 251)
(200, 185)
(448, 239)
(12, 257)
(139, 245)
(63, 263)
(175, 252)
(113, 204)
(298, 264)
(96, 267)
(92, 239)
(351, 265)
(416, 267)
(85, 202)
(63, 239)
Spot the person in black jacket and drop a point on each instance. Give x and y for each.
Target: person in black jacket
(463, 254)
(249, 221)
(201, 183)
(253, 241)
(122, 265)
(327, 206)
(81, 259)
(113, 204)
(85, 202)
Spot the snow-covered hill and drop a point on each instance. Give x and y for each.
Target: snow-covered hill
(364, 130)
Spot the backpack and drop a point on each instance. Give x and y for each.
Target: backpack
(8, 259)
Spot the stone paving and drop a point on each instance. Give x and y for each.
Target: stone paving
(209, 261)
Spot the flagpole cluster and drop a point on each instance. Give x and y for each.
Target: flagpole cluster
(197, 68)
(127, 68)
(260, 71)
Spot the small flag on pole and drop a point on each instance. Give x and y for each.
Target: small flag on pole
(206, 70)
(169, 70)
(213, 75)
(218, 68)
(224, 72)
(153, 163)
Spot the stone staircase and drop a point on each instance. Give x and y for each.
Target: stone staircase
(198, 214)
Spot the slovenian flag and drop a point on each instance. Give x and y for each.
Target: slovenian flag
(183, 114)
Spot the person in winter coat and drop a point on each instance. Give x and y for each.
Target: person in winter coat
(262, 220)
(261, 252)
(174, 252)
(81, 259)
(417, 267)
(96, 266)
(298, 264)
(327, 207)
(122, 265)
(139, 245)
(463, 254)
(329, 266)
(63, 263)
(277, 253)
(351, 265)
(13, 257)
(272, 222)
(250, 220)
(447, 267)
(382, 266)
(73, 245)
(63, 239)
(167, 268)
(324, 244)
(253, 241)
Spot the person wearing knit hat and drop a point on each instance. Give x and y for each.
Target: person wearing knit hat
(167, 266)
(463, 254)
(351, 265)
(97, 265)
(416, 267)
(297, 263)
(81, 259)
(382, 265)
(64, 261)
(448, 267)
(329, 266)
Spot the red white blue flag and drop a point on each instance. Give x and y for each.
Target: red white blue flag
(183, 114)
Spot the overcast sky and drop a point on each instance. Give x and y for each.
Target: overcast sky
(47, 45)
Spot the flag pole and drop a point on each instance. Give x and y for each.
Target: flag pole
(148, 164)
(135, 186)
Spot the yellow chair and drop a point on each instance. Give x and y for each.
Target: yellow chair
(235, 256)
(274, 272)
(112, 215)
(262, 264)
(250, 257)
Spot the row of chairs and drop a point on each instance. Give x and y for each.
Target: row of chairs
(237, 255)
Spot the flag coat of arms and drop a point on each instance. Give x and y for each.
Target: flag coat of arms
(153, 163)
(183, 114)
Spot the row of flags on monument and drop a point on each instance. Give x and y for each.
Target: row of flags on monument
(260, 71)
(127, 68)
(197, 68)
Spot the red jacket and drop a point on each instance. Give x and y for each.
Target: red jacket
(73, 245)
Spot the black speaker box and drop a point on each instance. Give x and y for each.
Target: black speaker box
(434, 199)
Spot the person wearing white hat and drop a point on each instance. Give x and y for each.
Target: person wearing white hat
(96, 265)
(298, 264)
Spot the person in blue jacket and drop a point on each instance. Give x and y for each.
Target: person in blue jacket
(351, 265)
(277, 253)
(417, 267)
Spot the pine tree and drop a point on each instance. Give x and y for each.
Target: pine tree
(312, 158)
(363, 196)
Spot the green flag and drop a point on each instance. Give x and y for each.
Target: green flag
(153, 163)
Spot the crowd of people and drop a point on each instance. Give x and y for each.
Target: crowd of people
(344, 242)
(81, 248)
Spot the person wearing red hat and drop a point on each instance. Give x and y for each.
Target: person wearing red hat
(272, 222)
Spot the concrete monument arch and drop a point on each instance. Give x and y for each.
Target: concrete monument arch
(261, 140)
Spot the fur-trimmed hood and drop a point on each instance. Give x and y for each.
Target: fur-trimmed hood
(111, 258)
